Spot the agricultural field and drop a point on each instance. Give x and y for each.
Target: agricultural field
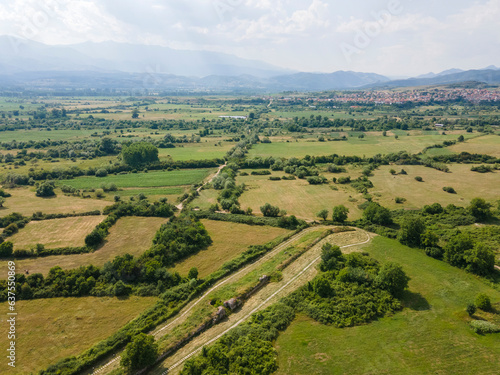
(130, 235)
(52, 329)
(298, 197)
(55, 233)
(197, 151)
(430, 335)
(368, 146)
(488, 144)
(229, 240)
(25, 202)
(142, 180)
(467, 184)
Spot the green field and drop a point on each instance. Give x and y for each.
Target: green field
(229, 240)
(197, 151)
(150, 179)
(488, 144)
(51, 329)
(430, 336)
(369, 146)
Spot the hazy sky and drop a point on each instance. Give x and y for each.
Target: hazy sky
(392, 37)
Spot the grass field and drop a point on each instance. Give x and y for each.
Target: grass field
(488, 144)
(70, 231)
(229, 240)
(197, 151)
(430, 336)
(51, 329)
(132, 235)
(467, 184)
(368, 146)
(298, 197)
(150, 179)
(25, 202)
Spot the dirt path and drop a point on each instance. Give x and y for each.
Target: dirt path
(297, 274)
(180, 206)
(114, 362)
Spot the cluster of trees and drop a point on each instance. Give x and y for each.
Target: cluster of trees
(138, 154)
(339, 214)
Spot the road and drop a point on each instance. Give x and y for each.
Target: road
(298, 275)
(180, 206)
(183, 314)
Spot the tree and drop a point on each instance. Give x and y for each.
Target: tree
(392, 278)
(6, 249)
(140, 153)
(377, 214)
(193, 273)
(483, 302)
(411, 231)
(270, 211)
(454, 251)
(330, 257)
(135, 113)
(323, 214)
(2, 201)
(141, 352)
(340, 213)
(46, 189)
(480, 259)
(480, 209)
(429, 239)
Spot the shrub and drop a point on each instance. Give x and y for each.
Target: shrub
(399, 200)
(471, 309)
(483, 302)
(449, 189)
(141, 352)
(340, 214)
(434, 252)
(274, 178)
(419, 179)
(6, 249)
(101, 172)
(344, 180)
(270, 211)
(46, 189)
(482, 327)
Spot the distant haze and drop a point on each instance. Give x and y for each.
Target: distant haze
(391, 37)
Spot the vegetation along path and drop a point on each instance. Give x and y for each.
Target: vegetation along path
(297, 274)
(114, 362)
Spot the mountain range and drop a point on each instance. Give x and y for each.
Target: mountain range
(29, 64)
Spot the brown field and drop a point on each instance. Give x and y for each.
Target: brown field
(298, 197)
(229, 240)
(466, 183)
(25, 202)
(70, 231)
(51, 329)
(131, 235)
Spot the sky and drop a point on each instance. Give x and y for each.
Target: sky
(390, 37)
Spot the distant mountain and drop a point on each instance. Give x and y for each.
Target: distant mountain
(27, 56)
(443, 73)
(487, 76)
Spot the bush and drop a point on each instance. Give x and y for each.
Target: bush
(471, 309)
(141, 352)
(46, 189)
(483, 302)
(344, 180)
(6, 249)
(449, 189)
(101, 172)
(270, 211)
(393, 279)
(399, 200)
(482, 327)
(434, 252)
(340, 214)
(419, 179)
(273, 178)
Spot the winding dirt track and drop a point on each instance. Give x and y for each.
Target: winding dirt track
(183, 314)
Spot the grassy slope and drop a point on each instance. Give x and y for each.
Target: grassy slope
(229, 240)
(131, 235)
(51, 329)
(489, 145)
(429, 337)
